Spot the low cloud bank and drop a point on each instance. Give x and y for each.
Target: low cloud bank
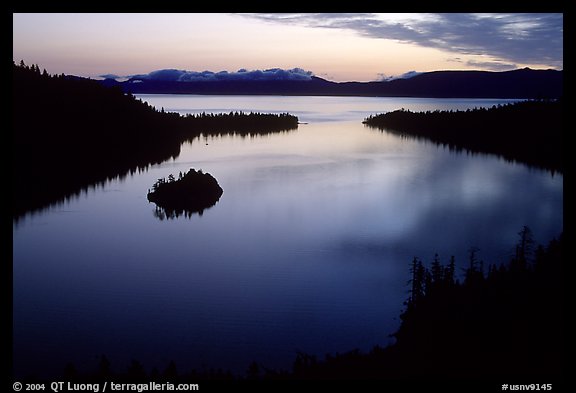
(174, 75)
(406, 75)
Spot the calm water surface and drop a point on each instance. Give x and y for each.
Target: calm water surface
(307, 250)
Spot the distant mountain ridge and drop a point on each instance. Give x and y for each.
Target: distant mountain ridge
(521, 83)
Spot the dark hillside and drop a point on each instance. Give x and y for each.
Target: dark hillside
(69, 133)
(524, 83)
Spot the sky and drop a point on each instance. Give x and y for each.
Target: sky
(335, 46)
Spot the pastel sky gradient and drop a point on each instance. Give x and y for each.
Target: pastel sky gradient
(338, 47)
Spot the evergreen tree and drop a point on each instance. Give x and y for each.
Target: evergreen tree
(449, 272)
(474, 273)
(418, 273)
(524, 248)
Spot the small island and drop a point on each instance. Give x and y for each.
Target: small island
(191, 193)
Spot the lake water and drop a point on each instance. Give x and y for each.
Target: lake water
(307, 250)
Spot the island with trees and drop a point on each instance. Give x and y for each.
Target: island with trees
(527, 131)
(71, 134)
(192, 192)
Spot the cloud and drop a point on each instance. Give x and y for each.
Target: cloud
(492, 65)
(406, 75)
(514, 38)
(110, 76)
(242, 74)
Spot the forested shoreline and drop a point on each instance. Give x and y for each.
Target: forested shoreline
(73, 133)
(530, 132)
(499, 320)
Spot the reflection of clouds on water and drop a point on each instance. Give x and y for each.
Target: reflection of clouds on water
(453, 203)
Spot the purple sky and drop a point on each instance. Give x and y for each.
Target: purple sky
(339, 47)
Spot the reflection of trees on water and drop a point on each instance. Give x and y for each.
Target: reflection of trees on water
(162, 213)
(71, 133)
(527, 131)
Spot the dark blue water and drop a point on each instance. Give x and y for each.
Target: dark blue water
(307, 250)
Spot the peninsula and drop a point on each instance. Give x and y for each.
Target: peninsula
(528, 131)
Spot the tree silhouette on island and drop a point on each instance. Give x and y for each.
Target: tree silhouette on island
(191, 193)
